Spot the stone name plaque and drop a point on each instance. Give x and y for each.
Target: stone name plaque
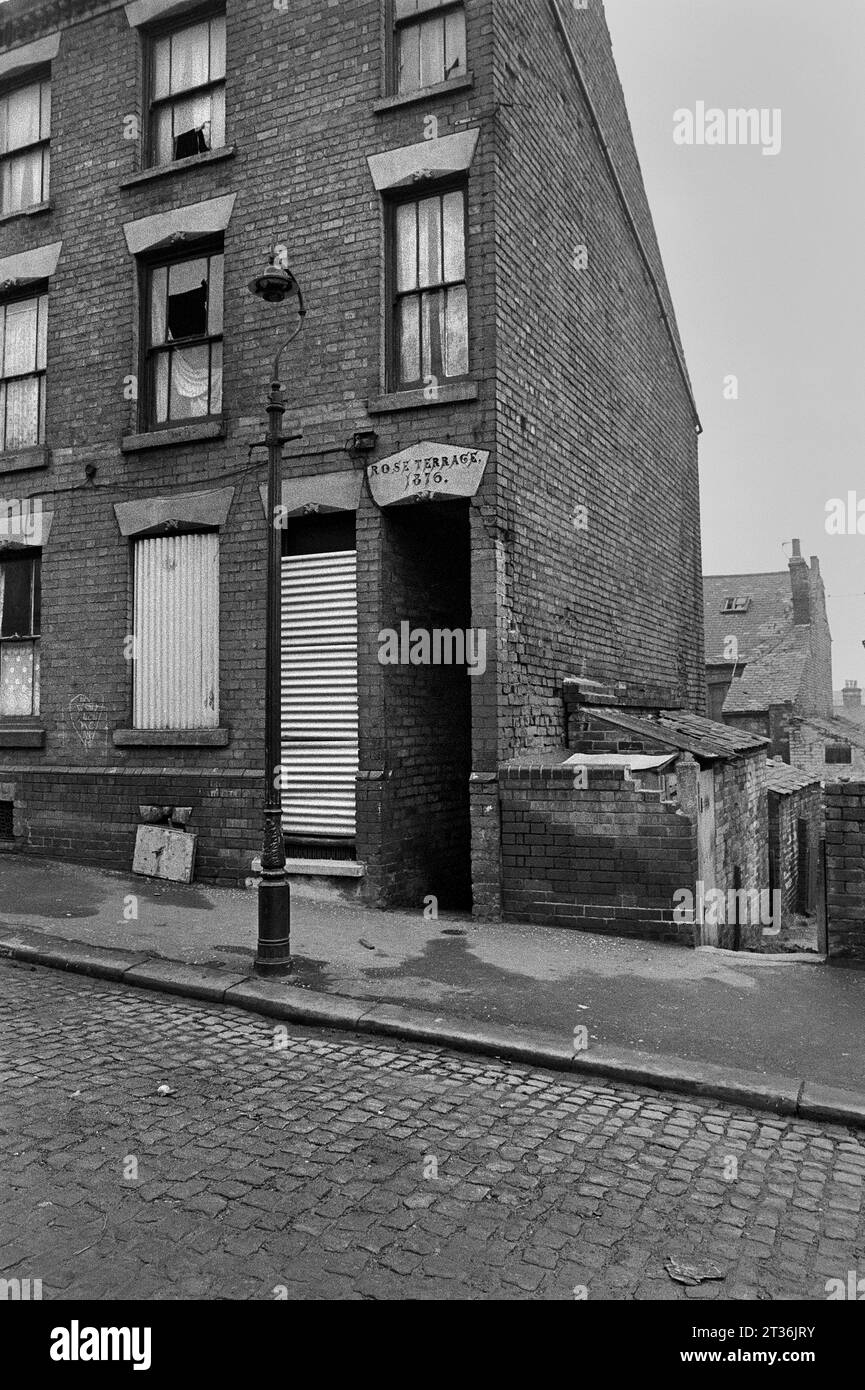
(427, 472)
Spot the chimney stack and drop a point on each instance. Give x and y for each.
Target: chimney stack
(800, 583)
(852, 695)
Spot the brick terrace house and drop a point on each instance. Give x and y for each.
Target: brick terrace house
(490, 338)
(768, 649)
(769, 668)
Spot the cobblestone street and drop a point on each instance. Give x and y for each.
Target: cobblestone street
(313, 1165)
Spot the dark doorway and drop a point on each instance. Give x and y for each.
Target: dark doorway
(426, 566)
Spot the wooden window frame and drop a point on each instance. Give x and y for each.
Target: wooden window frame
(34, 636)
(37, 76)
(427, 9)
(839, 748)
(35, 291)
(417, 194)
(189, 251)
(154, 104)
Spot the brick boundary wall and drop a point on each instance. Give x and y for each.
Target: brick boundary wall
(845, 871)
(90, 814)
(606, 858)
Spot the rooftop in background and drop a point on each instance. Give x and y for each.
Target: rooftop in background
(782, 778)
(774, 679)
(760, 627)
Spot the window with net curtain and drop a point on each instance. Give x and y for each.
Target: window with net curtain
(20, 617)
(431, 330)
(429, 42)
(184, 339)
(23, 349)
(187, 90)
(25, 156)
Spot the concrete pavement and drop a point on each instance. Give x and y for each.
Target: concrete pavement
(785, 1033)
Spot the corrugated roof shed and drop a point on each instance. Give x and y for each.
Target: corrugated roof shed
(784, 779)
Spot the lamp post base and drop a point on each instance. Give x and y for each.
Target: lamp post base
(273, 955)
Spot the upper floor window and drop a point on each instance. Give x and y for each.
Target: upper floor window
(25, 156)
(23, 344)
(184, 338)
(430, 326)
(429, 42)
(187, 90)
(839, 753)
(20, 613)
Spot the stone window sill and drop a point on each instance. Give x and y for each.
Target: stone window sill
(171, 738)
(36, 210)
(440, 89)
(19, 460)
(165, 439)
(448, 394)
(179, 166)
(12, 736)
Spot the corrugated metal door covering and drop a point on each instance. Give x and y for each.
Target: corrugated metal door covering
(177, 632)
(319, 694)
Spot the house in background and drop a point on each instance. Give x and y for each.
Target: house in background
(831, 749)
(848, 702)
(769, 650)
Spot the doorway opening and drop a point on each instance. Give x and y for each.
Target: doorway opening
(427, 649)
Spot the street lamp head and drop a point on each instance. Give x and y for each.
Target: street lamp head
(275, 284)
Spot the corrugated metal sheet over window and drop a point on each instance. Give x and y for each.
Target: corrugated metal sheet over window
(177, 632)
(319, 694)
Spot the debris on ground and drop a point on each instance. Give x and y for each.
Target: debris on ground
(692, 1274)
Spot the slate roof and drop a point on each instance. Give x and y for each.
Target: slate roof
(768, 620)
(853, 712)
(784, 779)
(837, 729)
(690, 733)
(774, 679)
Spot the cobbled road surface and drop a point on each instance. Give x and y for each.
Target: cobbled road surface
(313, 1165)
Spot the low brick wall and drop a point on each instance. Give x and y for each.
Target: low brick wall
(845, 870)
(90, 815)
(608, 857)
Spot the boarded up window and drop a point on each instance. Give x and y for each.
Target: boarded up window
(177, 632)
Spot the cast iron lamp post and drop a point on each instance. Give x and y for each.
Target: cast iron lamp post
(273, 956)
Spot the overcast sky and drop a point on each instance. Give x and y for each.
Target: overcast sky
(766, 262)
